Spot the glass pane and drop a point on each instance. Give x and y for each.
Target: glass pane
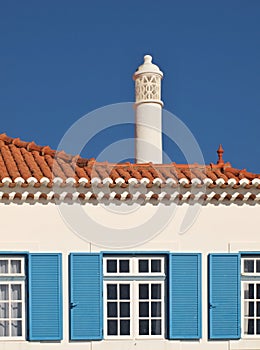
(246, 308)
(143, 327)
(16, 266)
(111, 291)
(16, 310)
(125, 291)
(111, 309)
(156, 291)
(112, 327)
(124, 266)
(156, 327)
(111, 266)
(16, 328)
(4, 310)
(258, 291)
(156, 309)
(16, 292)
(251, 308)
(249, 326)
(4, 329)
(257, 326)
(124, 327)
(144, 309)
(258, 266)
(124, 309)
(258, 309)
(4, 292)
(143, 265)
(3, 266)
(248, 265)
(156, 265)
(143, 291)
(248, 291)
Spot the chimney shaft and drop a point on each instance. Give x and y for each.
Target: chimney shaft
(148, 113)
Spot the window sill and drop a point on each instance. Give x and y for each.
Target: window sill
(245, 344)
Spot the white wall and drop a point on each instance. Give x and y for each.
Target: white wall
(41, 228)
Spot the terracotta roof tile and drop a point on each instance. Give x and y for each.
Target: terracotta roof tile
(43, 166)
(9, 162)
(27, 159)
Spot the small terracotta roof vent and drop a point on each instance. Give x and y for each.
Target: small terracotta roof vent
(220, 152)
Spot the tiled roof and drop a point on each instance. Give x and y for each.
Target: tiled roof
(25, 165)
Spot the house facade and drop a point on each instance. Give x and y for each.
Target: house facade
(107, 256)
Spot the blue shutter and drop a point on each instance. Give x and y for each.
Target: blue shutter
(185, 296)
(45, 297)
(224, 296)
(85, 296)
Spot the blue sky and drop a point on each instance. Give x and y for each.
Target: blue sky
(62, 59)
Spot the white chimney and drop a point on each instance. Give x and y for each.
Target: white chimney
(148, 112)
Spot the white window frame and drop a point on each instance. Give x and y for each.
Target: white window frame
(253, 258)
(134, 266)
(9, 259)
(137, 318)
(134, 279)
(14, 279)
(118, 259)
(118, 318)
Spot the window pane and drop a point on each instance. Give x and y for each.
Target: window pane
(251, 308)
(111, 291)
(248, 265)
(156, 327)
(258, 309)
(4, 329)
(156, 265)
(16, 292)
(112, 327)
(111, 309)
(124, 266)
(16, 310)
(143, 291)
(4, 310)
(124, 327)
(258, 291)
(249, 326)
(111, 266)
(124, 309)
(125, 291)
(143, 327)
(4, 292)
(143, 265)
(258, 266)
(257, 326)
(16, 328)
(3, 266)
(16, 266)
(156, 291)
(144, 309)
(248, 291)
(156, 309)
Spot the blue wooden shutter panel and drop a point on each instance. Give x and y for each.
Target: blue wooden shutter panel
(185, 296)
(45, 297)
(224, 296)
(85, 296)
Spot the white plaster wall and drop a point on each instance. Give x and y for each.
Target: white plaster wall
(40, 228)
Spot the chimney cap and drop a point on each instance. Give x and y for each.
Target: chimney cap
(148, 67)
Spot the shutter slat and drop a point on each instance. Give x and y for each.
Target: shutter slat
(85, 297)
(45, 297)
(185, 296)
(224, 296)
